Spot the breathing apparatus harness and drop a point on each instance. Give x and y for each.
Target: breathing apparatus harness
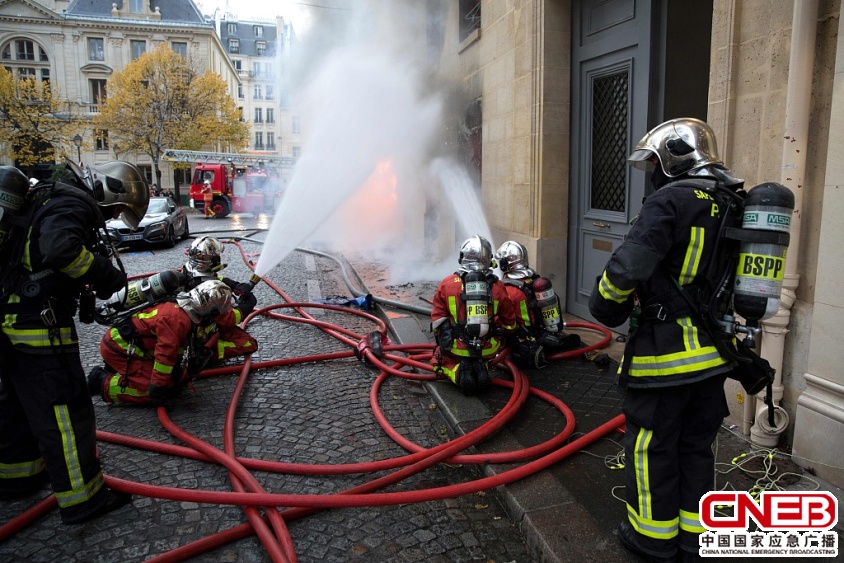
(712, 299)
(475, 328)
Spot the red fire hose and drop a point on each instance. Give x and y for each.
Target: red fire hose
(396, 361)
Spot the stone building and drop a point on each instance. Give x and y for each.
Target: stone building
(77, 45)
(565, 88)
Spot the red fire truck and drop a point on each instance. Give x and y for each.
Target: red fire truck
(241, 183)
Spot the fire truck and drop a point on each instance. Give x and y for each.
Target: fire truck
(241, 183)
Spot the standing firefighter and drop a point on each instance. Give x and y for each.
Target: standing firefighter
(674, 363)
(537, 307)
(470, 315)
(50, 258)
(208, 199)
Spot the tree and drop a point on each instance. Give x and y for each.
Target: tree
(36, 123)
(159, 101)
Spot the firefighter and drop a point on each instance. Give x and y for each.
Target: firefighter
(672, 373)
(53, 258)
(537, 307)
(471, 313)
(144, 354)
(208, 199)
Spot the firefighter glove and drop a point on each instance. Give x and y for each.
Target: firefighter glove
(107, 279)
(162, 396)
(246, 303)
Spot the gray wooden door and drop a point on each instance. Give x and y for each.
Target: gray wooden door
(611, 70)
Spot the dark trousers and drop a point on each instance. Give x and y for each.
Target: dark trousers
(47, 421)
(670, 460)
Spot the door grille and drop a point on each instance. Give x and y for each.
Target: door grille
(609, 141)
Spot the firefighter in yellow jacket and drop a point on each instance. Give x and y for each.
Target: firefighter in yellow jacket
(672, 372)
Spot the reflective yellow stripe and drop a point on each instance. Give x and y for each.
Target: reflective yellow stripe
(22, 469)
(452, 307)
(640, 467)
(162, 368)
(125, 346)
(657, 529)
(450, 373)
(693, 253)
(690, 522)
(86, 492)
(238, 316)
(71, 455)
(80, 265)
(523, 310)
(610, 292)
(147, 314)
(694, 358)
(677, 363)
(26, 259)
(114, 390)
(36, 337)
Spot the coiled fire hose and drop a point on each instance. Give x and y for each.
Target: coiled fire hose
(396, 361)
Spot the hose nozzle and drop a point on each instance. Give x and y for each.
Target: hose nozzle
(253, 281)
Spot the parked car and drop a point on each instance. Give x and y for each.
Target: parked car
(163, 224)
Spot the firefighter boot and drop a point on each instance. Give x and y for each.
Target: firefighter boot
(96, 378)
(113, 501)
(628, 538)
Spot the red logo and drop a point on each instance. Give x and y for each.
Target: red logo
(776, 510)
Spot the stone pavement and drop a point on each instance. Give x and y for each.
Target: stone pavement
(319, 413)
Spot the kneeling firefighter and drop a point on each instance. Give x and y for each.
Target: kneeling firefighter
(674, 276)
(540, 324)
(152, 354)
(203, 264)
(471, 312)
(52, 263)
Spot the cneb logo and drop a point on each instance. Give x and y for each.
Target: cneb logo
(780, 510)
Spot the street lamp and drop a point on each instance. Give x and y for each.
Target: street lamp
(77, 140)
(116, 151)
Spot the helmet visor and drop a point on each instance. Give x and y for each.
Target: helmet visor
(643, 159)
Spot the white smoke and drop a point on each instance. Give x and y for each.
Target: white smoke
(365, 181)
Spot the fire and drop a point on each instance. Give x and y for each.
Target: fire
(375, 206)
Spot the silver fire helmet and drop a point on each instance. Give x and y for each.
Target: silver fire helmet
(205, 301)
(118, 183)
(680, 145)
(475, 254)
(204, 257)
(513, 260)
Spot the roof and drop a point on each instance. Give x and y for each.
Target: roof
(173, 11)
(245, 34)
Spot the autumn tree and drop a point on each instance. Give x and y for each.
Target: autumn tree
(160, 101)
(37, 126)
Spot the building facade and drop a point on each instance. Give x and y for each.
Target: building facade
(77, 45)
(566, 88)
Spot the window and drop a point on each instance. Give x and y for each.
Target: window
(270, 115)
(270, 95)
(101, 139)
(45, 76)
(180, 48)
(259, 115)
(259, 30)
(470, 17)
(146, 170)
(26, 72)
(261, 47)
(238, 64)
(240, 113)
(25, 50)
(256, 69)
(240, 91)
(231, 28)
(95, 49)
(7, 53)
(259, 141)
(181, 176)
(296, 125)
(139, 47)
(270, 140)
(297, 152)
(98, 90)
(268, 69)
(234, 46)
(136, 6)
(257, 92)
